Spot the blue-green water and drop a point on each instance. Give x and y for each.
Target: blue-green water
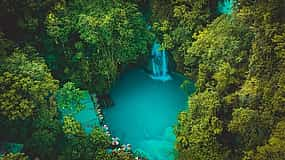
(145, 112)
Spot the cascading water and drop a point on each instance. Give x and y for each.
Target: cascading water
(226, 6)
(159, 63)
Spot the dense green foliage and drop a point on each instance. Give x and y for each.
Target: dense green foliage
(25, 85)
(81, 44)
(238, 63)
(93, 38)
(14, 156)
(68, 98)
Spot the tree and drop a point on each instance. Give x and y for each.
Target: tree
(82, 146)
(198, 130)
(46, 132)
(250, 125)
(274, 148)
(224, 41)
(94, 39)
(68, 99)
(14, 156)
(240, 58)
(71, 127)
(26, 86)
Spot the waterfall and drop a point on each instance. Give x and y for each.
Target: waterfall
(159, 63)
(226, 6)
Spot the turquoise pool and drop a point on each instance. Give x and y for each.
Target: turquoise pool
(145, 111)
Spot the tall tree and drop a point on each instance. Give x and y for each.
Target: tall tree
(26, 86)
(240, 57)
(93, 38)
